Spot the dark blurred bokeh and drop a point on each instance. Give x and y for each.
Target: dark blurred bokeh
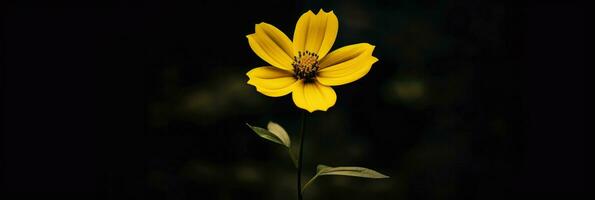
(148, 100)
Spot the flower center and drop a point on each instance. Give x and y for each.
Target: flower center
(305, 65)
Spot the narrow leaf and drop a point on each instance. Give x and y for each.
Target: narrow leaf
(321, 167)
(266, 134)
(279, 132)
(323, 170)
(349, 171)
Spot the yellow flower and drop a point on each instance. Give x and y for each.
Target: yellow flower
(302, 66)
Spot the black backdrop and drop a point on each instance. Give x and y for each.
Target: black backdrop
(146, 100)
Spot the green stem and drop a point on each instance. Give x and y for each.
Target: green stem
(309, 182)
(301, 155)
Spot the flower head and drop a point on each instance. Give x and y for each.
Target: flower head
(304, 67)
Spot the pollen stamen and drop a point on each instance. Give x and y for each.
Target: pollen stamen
(305, 65)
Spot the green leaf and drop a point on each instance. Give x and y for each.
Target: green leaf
(275, 136)
(323, 170)
(279, 132)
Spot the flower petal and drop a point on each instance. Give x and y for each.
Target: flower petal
(346, 64)
(334, 78)
(272, 45)
(345, 54)
(313, 96)
(316, 33)
(272, 81)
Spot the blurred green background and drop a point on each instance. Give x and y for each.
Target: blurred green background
(452, 110)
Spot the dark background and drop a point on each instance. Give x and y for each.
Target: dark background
(148, 100)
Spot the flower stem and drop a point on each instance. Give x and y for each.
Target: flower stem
(301, 155)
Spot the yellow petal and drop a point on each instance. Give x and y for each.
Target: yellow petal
(272, 81)
(313, 96)
(316, 33)
(334, 78)
(346, 64)
(270, 44)
(346, 54)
